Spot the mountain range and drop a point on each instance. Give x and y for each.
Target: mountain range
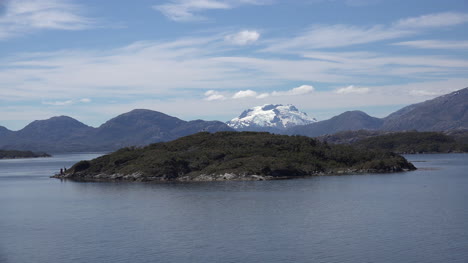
(141, 127)
(135, 128)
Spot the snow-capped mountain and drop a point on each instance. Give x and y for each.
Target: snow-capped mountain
(270, 117)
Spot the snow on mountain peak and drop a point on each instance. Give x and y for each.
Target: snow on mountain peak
(270, 116)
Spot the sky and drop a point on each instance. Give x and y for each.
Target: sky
(212, 59)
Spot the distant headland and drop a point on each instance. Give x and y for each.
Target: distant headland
(13, 154)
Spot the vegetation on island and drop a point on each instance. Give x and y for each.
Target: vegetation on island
(235, 156)
(404, 142)
(13, 154)
(414, 142)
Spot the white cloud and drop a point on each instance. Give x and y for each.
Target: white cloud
(301, 90)
(25, 16)
(212, 95)
(433, 20)
(263, 95)
(66, 102)
(58, 103)
(352, 89)
(304, 89)
(420, 92)
(188, 10)
(244, 94)
(242, 38)
(435, 44)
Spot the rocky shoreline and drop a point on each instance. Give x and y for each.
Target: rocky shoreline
(139, 177)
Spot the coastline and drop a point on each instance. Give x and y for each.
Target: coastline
(139, 177)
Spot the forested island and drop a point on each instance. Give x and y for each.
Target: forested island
(13, 154)
(234, 156)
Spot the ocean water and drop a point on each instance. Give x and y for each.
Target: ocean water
(419, 216)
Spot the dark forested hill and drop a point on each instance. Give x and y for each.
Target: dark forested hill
(403, 142)
(413, 142)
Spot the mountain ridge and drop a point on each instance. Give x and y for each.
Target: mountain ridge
(135, 128)
(141, 127)
(349, 120)
(445, 112)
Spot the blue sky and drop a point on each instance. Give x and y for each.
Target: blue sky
(211, 59)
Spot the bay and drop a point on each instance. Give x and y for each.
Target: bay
(419, 216)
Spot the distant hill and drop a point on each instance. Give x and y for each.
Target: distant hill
(135, 128)
(4, 131)
(234, 156)
(55, 128)
(447, 112)
(13, 154)
(347, 121)
(141, 127)
(442, 113)
(56, 134)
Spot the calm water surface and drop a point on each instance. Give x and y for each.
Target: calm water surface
(419, 216)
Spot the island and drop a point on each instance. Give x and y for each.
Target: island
(234, 156)
(14, 154)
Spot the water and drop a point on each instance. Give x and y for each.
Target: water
(419, 216)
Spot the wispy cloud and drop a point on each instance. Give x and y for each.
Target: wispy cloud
(335, 36)
(435, 44)
(352, 89)
(425, 93)
(433, 20)
(138, 69)
(332, 36)
(189, 10)
(135, 70)
(362, 2)
(242, 38)
(25, 16)
(66, 102)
